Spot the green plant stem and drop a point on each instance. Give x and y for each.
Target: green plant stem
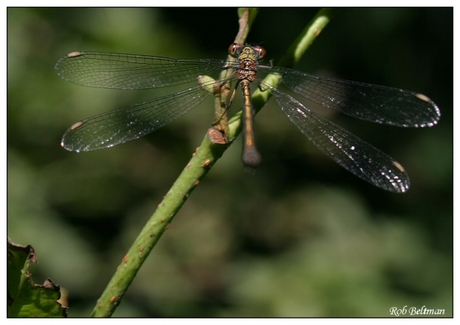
(202, 160)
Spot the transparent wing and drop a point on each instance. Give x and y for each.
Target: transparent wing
(369, 102)
(132, 122)
(350, 152)
(131, 71)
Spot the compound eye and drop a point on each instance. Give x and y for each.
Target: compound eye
(261, 51)
(234, 49)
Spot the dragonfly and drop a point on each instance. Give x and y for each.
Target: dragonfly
(369, 102)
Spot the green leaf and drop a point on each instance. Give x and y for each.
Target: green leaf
(25, 298)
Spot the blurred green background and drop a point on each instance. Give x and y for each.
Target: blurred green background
(299, 237)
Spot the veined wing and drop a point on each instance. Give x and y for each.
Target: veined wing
(132, 122)
(131, 71)
(369, 102)
(350, 152)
